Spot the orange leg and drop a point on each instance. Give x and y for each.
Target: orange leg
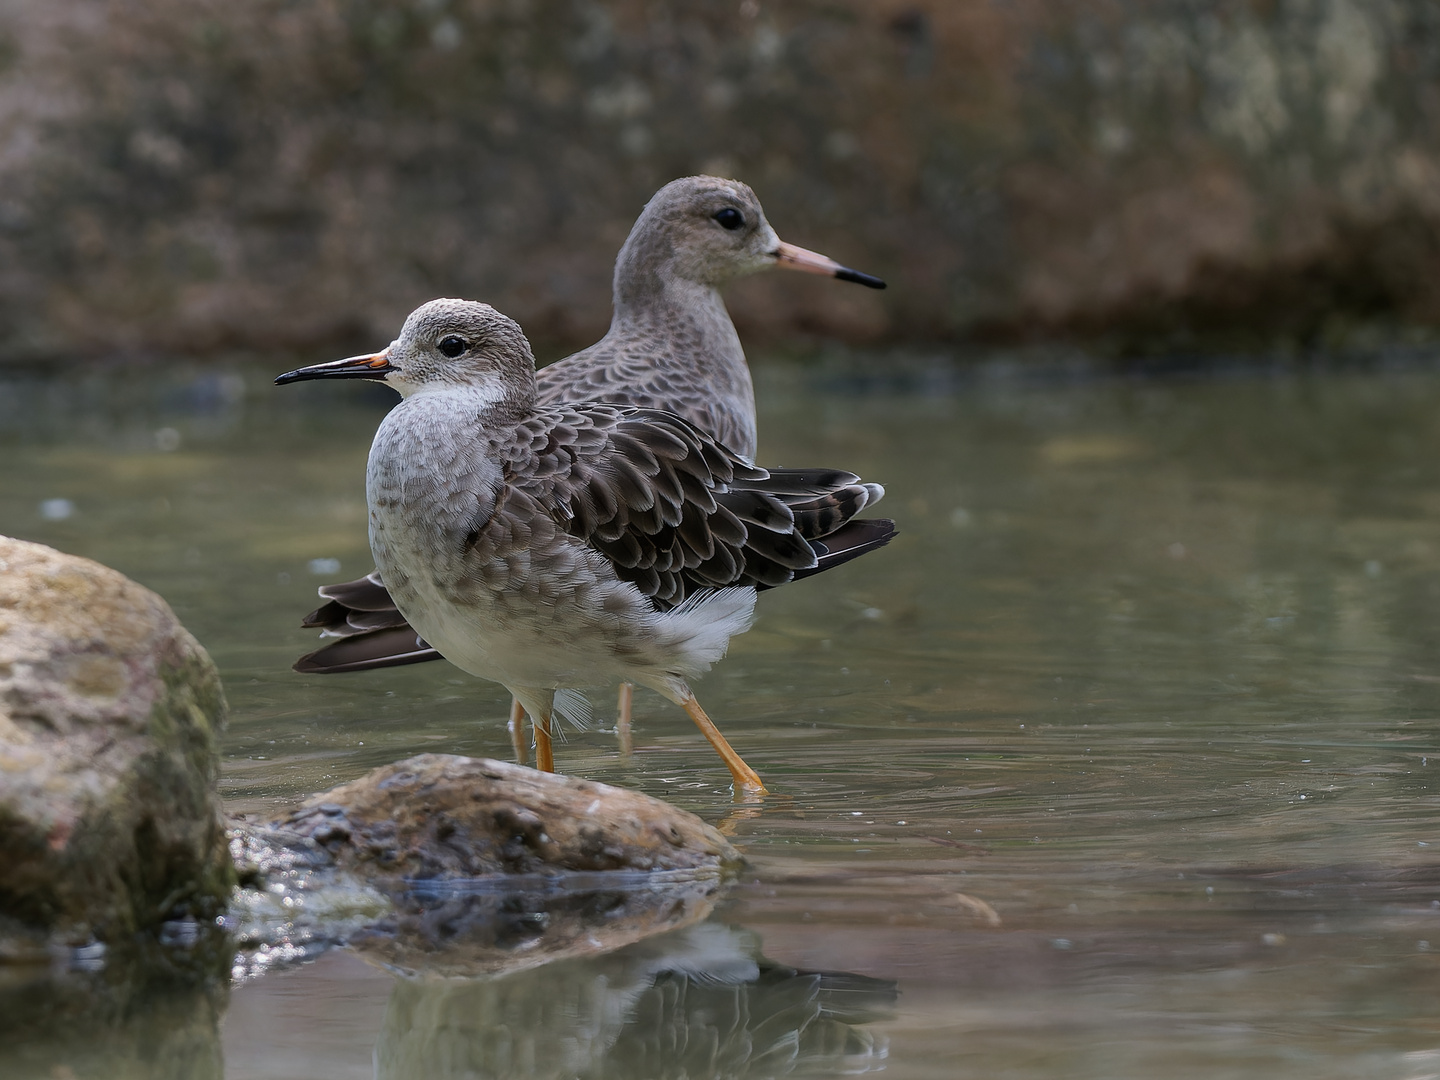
(622, 720)
(544, 752)
(746, 778)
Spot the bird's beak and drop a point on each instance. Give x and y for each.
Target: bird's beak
(370, 366)
(790, 257)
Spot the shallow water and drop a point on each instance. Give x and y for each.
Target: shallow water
(1116, 763)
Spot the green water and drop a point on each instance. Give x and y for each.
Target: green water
(1117, 762)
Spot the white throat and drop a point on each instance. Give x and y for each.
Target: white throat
(486, 390)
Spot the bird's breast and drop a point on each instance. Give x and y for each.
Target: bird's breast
(431, 476)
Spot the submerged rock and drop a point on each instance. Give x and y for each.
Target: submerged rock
(460, 866)
(109, 718)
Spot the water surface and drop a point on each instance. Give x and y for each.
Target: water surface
(1116, 763)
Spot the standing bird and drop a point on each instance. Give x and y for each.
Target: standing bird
(550, 547)
(671, 346)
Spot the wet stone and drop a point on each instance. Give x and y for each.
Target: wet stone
(452, 865)
(110, 714)
(438, 816)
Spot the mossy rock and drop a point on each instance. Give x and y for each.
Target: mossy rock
(110, 715)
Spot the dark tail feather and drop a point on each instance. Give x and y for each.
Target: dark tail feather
(341, 621)
(366, 594)
(362, 652)
(821, 500)
(355, 607)
(374, 634)
(788, 484)
(850, 541)
(818, 517)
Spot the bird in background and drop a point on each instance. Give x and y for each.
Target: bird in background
(671, 346)
(554, 547)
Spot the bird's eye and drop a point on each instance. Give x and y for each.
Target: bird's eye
(730, 218)
(452, 346)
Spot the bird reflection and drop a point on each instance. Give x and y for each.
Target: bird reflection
(697, 1002)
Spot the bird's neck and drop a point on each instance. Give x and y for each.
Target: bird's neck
(673, 337)
(651, 298)
(663, 296)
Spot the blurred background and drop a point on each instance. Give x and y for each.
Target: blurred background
(189, 176)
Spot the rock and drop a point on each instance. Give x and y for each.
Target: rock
(439, 816)
(109, 718)
(458, 866)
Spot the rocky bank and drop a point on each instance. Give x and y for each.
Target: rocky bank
(196, 175)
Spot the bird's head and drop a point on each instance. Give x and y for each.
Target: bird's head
(444, 344)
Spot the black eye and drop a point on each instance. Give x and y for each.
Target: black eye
(730, 218)
(452, 346)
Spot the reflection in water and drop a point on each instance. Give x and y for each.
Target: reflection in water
(603, 975)
(697, 1002)
(490, 927)
(151, 1013)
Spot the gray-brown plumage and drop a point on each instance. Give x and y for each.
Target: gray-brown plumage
(556, 546)
(671, 346)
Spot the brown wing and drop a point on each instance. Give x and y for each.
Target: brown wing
(673, 509)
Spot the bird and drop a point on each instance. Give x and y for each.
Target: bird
(557, 547)
(671, 346)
